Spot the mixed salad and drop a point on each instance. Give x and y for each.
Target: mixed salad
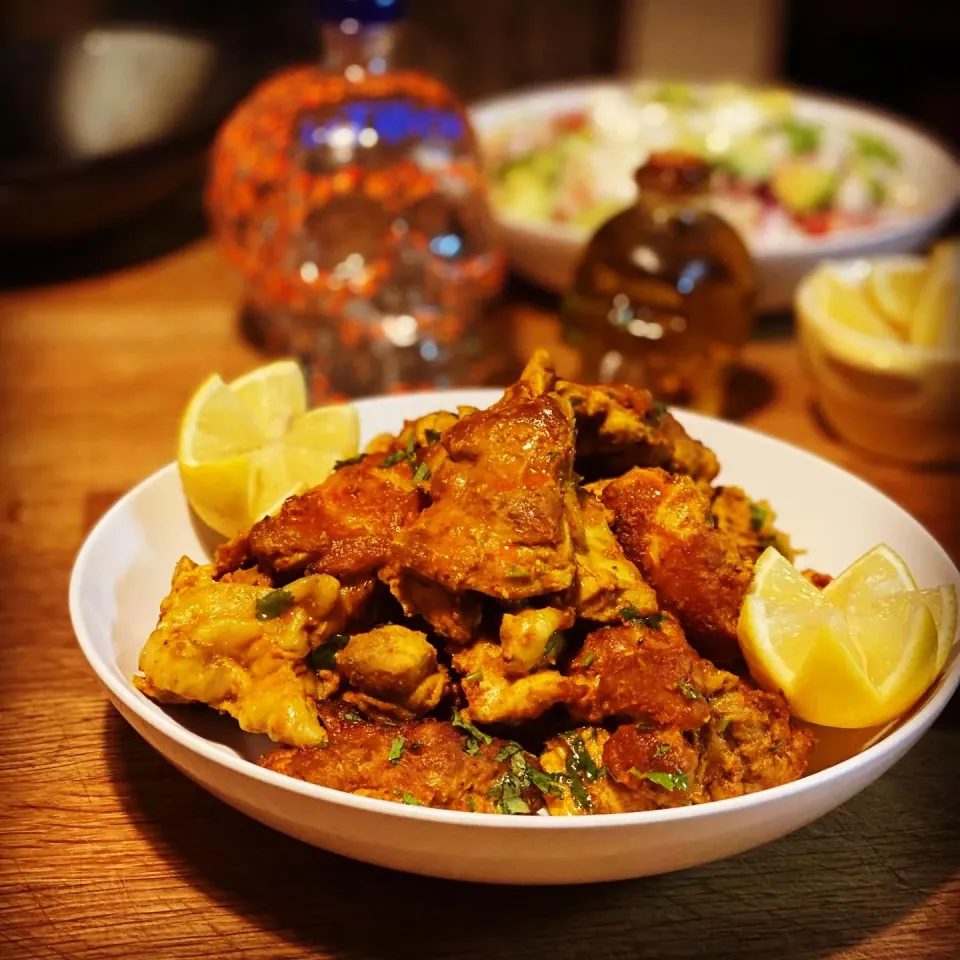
(773, 169)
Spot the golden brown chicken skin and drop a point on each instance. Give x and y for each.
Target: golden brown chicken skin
(750, 523)
(619, 427)
(344, 527)
(639, 671)
(424, 763)
(211, 645)
(664, 523)
(498, 522)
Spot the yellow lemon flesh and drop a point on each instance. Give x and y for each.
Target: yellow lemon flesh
(246, 446)
(848, 305)
(857, 654)
(894, 289)
(936, 316)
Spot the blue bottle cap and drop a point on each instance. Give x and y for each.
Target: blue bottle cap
(363, 11)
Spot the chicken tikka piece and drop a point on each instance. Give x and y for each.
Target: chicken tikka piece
(745, 743)
(619, 427)
(498, 522)
(700, 573)
(242, 649)
(428, 763)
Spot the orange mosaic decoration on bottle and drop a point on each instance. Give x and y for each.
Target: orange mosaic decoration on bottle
(351, 197)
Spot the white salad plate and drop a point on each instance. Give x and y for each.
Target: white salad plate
(123, 572)
(547, 253)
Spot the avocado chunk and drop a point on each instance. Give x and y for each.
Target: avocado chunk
(803, 187)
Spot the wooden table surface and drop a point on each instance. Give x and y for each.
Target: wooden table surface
(107, 851)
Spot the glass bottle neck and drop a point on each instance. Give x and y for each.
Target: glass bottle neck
(662, 206)
(349, 44)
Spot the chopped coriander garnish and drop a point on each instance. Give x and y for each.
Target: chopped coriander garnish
(758, 517)
(578, 792)
(777, 746)
(554, 646)
(399, 455)
(711, 520)
(476, 675)
(579, 760)
(272, 604)
(349, 462)
(507, 751)
(421, 473)
(515, 572)
(722, 724)
(688, 690)
(633, 615)
(662, 748)
(432, 436)
(352, 717)
(471, 804)
(588, 659)
(669, 781)
(471, 731)
(471, 747)
(656, 413)
(411, 800)
(324, 657)
(396, 749)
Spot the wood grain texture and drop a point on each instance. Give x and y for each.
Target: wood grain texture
(107, 852)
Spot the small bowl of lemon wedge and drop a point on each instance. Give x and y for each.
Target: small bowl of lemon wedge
(881, 339)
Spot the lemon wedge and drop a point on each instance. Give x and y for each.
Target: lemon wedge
(936, 317)
(848, 304)
(858, 654)
(247, 445)
(894, 289)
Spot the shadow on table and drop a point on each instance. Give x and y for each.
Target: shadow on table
(838, 882)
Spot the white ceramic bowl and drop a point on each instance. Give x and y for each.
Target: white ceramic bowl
(547, 253)
(124, 568)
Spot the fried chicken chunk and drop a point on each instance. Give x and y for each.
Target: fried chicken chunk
(395, 665)
(498, 522)
(607, 582)
(495, 696)
(639, 672)
(664, 524)
(750, 523)
(210, 647)
(423, 763)
(345, 526)
(619, 427)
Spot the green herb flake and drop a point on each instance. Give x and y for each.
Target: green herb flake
(471, 747)
(688, 690)
(349, 461)
(324, 657)
(400, 455)
(554, 646)
(669, 781)
(411, 800)
(508, 750)
(461, 724)
(274, 603)
(515, 572)
(352, 718)
(662, 748)
(722, 724)
(710, 520)
(588, 659)
(422, 473)
(396, 749)
(579, 761)
(758, 517)
(633, 615)
(778, 746)
(432, 436)
(471, 804)
(656, 413)
(544, 782)
(476, 675)
(578, 792)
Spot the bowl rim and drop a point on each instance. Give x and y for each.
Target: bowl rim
(152, 715)
(836, 245)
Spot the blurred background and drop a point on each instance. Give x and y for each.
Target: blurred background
(896, 54)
